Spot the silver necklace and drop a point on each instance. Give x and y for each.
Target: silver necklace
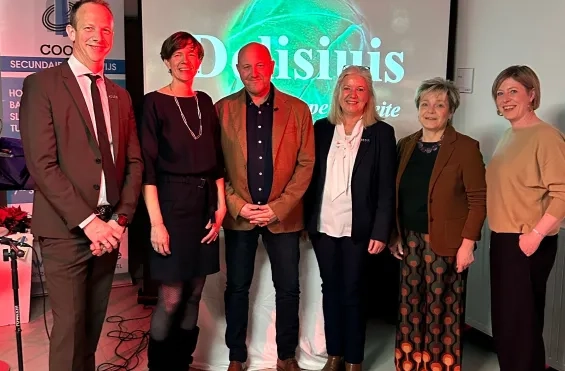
(184, 118)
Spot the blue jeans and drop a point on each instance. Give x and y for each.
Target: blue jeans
(284, 255)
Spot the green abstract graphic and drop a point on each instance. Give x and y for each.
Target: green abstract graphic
(310, 42)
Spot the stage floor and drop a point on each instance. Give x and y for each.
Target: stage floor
(123, 303)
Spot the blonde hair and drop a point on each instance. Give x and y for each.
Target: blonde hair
(525, 76)
(370, 115)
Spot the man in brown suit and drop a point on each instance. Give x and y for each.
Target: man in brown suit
(80, 142)
(268, 145)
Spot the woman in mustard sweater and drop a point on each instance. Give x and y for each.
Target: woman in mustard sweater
(525, 206)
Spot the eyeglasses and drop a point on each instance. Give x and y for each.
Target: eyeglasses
(354, 65)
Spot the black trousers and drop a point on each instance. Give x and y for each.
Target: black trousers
(341, 263)
(284, 255)
(518, 288)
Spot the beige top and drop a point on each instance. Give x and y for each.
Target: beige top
(526, 178)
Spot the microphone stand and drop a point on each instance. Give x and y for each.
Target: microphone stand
(14, 253)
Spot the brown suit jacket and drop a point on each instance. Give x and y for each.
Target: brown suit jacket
(293, 160)
(62, 153)
(457, 190)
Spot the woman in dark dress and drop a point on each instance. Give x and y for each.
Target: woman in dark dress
(184, 193)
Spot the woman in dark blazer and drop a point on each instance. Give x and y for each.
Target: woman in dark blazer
(441, 208)
(349, 208)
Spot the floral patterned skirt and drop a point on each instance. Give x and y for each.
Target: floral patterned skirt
(432, 295)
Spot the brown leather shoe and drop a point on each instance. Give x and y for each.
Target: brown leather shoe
(236, 366)
(288, 364)
(334, 363)
(352, 366)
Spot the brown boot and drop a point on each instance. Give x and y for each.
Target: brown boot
(288, 364)
(236, 366)
(352, 366)
(334, 363)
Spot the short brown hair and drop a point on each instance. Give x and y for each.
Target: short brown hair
(76, 6)
(180, 40)
(439, 85)
(525, 76)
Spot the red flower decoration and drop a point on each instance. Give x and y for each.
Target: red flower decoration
(15, 219)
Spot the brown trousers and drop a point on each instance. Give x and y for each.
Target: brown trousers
(78, 285)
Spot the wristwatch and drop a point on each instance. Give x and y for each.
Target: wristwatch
(121, 219)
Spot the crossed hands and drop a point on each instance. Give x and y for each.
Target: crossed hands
(260, 215)
(104, 236)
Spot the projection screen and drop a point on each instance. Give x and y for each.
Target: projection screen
(402, 41)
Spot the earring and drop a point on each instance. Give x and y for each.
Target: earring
(498, 113)
(170, 70)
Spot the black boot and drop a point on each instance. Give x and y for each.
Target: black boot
(185, 344)
(158, 354)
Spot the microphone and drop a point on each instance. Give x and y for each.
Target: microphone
(8, 241)
(13, 243)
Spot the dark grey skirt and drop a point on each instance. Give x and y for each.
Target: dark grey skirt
(186, 204)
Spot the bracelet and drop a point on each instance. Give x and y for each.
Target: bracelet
(538, 232)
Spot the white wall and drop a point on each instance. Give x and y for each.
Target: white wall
(494, 34)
